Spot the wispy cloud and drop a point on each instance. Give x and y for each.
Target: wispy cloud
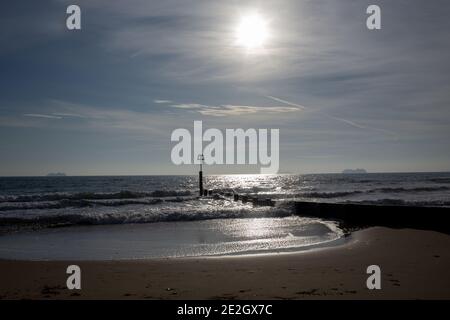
(190, 106)
(107, 119)
(162, 101)
(233, 110)
(37, 115)
(68, 115)
(55, 115)
(94, 118)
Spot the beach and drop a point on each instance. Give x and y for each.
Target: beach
(224, 150)
(414, 265)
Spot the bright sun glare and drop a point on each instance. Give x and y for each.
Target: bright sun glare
(252, 32)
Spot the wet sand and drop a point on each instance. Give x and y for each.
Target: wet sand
(415, 264)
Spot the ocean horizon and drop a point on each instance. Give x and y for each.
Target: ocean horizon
(214, 174)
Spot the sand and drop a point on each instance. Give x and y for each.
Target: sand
(415, 264)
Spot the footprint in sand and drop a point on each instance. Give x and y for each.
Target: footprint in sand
(226, 296)
(395, 282)
(351, 291)
(47, 290)
(308, 292)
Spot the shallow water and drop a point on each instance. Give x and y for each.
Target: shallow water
(170, 239)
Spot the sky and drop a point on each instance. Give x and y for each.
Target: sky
(105, 99)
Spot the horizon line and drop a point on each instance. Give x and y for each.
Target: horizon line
(215, 174)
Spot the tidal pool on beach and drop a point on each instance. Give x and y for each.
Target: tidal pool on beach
(212, 237)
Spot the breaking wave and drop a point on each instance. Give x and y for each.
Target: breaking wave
(125, 194)
(338, 194)
(189, 211)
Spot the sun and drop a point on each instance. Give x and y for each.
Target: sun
(252, 31)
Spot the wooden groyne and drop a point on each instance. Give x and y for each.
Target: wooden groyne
(363, 215)
(356, 215)
(352, 215)
(256, 201)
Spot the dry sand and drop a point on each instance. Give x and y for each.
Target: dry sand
(415, 265)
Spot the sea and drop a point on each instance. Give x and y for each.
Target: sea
(141, 217)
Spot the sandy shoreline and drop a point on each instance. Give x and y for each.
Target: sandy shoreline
(414, 265)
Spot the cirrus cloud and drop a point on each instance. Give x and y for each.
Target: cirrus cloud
(234, 110)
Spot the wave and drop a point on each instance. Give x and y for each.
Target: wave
(440, 180)
(415, 189)
(325, 195)
(85, 197)
(125, 194)
(82, 204)
(348, 193)
(338, 194)
(361, 181)
(186, 213)
(126, 197)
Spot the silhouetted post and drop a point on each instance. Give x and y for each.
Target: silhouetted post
(200, 174)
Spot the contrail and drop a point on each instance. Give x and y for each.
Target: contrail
(286, 102)
(349, 122)
(353, 124)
